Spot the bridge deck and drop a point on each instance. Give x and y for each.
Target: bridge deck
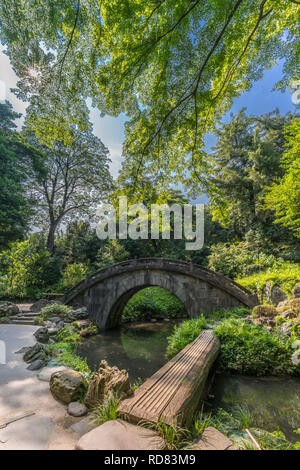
(173, 393)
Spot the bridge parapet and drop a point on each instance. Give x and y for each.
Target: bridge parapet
(168, 265)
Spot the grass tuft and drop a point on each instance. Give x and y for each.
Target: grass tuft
(107, 410)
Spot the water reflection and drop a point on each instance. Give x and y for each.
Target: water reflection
(139, 348)
(272, 401)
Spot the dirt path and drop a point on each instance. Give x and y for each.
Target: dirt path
(20, 391)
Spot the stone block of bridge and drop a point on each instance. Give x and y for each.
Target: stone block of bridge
(174, 392)
(106, 292)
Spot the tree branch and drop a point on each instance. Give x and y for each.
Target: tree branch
(187, 97)
(234, 66)
(69, 44)
(153, 44)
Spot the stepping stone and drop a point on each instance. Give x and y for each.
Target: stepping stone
(75, 408)
(45, 374)
(120, 435)
(212, 439)
(31, 433)
(83, 426)
(36, 365)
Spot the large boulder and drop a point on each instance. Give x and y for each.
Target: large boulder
(274, 294)
(34, 353)
(42, 335)
(296, 291)
(107, 380)
(45, 374)
(277, 295)
(120, 435)
(8, 308)
(67, 385)
(79, 314)
(36, 365)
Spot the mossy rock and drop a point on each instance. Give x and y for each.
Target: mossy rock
(264, 311)
(8, 309)
(67, 385)
(294, 305)
(284, 308)
(296, 291)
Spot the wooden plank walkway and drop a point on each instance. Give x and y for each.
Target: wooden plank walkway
(173, 393)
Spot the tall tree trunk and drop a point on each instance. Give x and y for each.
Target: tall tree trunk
(50, 239)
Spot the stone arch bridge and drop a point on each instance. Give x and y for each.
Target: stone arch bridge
(201, 290)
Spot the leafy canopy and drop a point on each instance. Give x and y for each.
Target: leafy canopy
(172, 66)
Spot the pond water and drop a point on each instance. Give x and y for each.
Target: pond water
(140, 348)
(273, 402)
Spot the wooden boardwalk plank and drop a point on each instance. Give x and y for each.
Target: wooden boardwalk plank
(174, 391)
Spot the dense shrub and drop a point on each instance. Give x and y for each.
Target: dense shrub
(24, 267)
(245, 348)
(224, 313)
(4, 320)
(264, 311)
(251, 350)
(68, 334)
(56, 310)
(283, 273)
(70, 359)
(238, 259)
(187, 331)
(64, 353)
(184, 334)
(153, 302)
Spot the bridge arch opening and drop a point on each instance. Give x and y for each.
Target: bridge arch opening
(106, 292)
(145, 303)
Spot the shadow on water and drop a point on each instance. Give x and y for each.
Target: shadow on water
(141, 349)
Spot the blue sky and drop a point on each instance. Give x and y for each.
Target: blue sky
(259, 100)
